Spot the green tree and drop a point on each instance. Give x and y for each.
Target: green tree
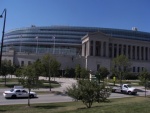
(28, 79)
(84, 73)
(38, 66)
(88, 92)
(5, 67)
(77, 71)
(102, 74)
(50, 66)
(67, 72)
(18, 73)
(145, 78)
(121, 66)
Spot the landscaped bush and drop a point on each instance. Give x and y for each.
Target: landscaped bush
(88, 92)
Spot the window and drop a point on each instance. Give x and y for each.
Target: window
(17, 91)
(110, 50)
(133, 69)
(142, 68)
(23, 91)
(98, 66)
(138, 69)
(29, 62)
(22, 63)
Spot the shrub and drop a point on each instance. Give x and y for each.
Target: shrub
(88, 92)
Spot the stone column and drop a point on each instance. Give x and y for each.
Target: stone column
(127, 51)
(144, 53)
(139, 52)
(117, 50)
(122, 47)
(94, 47)
(148, 54)
(87, 48)
(135, 52)
(107, 49)
(131, 52)
(112, 50)
(83, 49)
(102, 48)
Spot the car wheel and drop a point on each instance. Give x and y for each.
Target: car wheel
(129, 92)
(13, 96)
(31, 96)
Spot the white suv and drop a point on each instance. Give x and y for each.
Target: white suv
(18, 93)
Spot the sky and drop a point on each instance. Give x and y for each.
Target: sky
(120, 14)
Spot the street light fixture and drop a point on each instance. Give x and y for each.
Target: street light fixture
(1, 16)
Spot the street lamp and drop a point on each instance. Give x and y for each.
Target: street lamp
(1, 16)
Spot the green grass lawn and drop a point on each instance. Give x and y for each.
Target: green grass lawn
(11, 82)
(124, 105)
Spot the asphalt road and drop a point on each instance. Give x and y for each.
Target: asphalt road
(52, 98)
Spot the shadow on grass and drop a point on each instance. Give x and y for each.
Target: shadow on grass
(8, 85)
(3, 110)
(21, 98)
(47, 106)
(97, 106)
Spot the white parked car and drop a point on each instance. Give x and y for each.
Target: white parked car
(18, 93)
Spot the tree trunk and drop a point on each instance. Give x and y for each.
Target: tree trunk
(145, 86)
(29, 97)
(5, 80)
(49, 83)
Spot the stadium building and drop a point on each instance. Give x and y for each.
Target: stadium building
(91, 47)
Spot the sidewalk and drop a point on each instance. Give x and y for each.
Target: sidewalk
(64, 82)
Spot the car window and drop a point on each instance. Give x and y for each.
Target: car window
(18, 91)
(11, 90)
(24, 91)
(125, 86)
(129, 86)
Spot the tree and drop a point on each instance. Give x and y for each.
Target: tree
(5, 68)
(121, 66)
(70, 72)
(67, 73)
(28, 79)
(145, 78)
(102, 73)
(84, 73)
(51, 67)
(77, 71)
(88, 92)
(38, 68)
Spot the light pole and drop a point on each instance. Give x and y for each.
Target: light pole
(54, 45)
(1, 16)
(36, 44)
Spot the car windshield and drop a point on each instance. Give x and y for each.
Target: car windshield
(11, 90)
(129, 86)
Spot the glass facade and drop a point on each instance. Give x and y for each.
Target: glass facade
(67, 39)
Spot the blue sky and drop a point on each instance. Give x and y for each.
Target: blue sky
(121, 14)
